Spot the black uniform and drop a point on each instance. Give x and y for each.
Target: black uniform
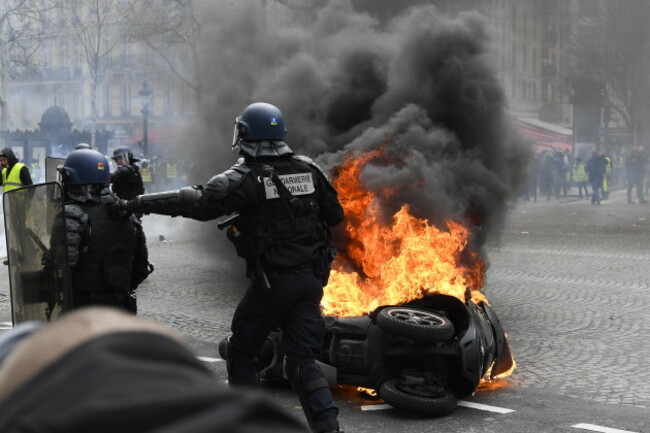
(282, 233)
(102, 249)
(127, 182)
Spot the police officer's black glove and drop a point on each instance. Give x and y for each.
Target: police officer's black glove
(119, 208)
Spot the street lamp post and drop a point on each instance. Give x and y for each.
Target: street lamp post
(145, 93)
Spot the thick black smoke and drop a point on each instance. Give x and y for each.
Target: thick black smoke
(422, 83)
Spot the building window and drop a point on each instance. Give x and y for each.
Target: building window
(79, 106)
(524, 58)
(534, 61)
(24, 112)
(108, 112)
(47, 53)
(77, 55)
(64, 55)
(126, 100)
(169, 99)
(524, 21)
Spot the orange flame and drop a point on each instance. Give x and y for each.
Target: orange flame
(389, 263)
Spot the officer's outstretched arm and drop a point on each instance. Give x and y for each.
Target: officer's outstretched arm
(181, 202)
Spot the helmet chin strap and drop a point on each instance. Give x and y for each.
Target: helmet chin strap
(264, 148)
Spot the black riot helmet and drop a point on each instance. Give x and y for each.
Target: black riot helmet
(125, 153)
(82, 146)
(85, 167)
(260, 131)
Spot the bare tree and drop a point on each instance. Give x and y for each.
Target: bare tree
(172, 29)
(175, 29)
(97, 26)
(21, 30)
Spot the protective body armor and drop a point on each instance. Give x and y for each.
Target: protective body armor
(127, 182)
(285, 232)
(106, 262)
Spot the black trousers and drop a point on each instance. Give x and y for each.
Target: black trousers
(293, 304)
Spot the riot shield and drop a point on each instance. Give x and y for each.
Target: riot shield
(39, 275)
(51, 163)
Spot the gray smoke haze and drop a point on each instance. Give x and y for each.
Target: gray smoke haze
(424, 82)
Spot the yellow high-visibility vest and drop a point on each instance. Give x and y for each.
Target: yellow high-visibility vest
(13, 180)
(579, 172)
(171, 171)
(145, 173)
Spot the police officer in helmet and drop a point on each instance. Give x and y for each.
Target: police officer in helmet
(103, 242)
(126, 179)
(284, 205)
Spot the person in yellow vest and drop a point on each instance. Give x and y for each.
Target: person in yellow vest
(171, 174)
(608, 176)
(14, 174)
(172, 170)
(580, 177)
(147, 176)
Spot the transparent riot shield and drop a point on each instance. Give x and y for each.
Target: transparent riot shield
(51, 163)
(39, 276)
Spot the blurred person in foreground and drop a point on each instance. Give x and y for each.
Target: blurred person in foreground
(283, 206)
(98, 369)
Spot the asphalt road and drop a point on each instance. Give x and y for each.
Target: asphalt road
(568, 280)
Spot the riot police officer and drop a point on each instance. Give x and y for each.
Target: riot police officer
(126, 179)
(109, 260)
(283, 206)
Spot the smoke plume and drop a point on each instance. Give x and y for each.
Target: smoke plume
(422, 85)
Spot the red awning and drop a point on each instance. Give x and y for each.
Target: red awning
(545, 136)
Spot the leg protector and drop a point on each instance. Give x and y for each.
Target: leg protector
(309, 383)
(240, 366)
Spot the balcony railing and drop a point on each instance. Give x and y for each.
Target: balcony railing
(50, 74)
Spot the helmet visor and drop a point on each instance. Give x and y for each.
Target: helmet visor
(60, 170)
(121, 158)
(235, 133)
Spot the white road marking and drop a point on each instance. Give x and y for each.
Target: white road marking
(6, 324)
(460, 403)
(206, 359)
(4, 328)
(600, 429)
(484, 407)
(376, 407)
